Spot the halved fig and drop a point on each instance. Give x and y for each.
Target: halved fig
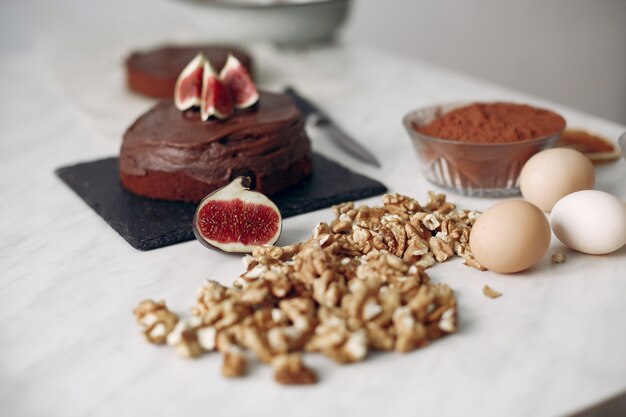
(216, 98)
(235, 219)
(239, 82)
(188, 88)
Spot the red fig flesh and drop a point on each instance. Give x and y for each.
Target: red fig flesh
(216, 98)
(236, 77)
(188, 88)
(235, 219)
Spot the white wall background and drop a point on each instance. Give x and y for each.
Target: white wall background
(569, 51)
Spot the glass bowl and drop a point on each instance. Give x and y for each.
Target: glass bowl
(472, 169)
(622, 144)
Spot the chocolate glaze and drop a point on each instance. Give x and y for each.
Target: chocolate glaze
(266, 138)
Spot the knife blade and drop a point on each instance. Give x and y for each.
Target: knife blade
(335, 133)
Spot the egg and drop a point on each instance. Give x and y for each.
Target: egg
(590, 221)
(510, 236)
(552, 174)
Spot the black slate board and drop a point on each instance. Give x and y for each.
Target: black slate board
(149, 224)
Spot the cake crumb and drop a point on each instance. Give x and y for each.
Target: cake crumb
(558, 258)
(490, 292)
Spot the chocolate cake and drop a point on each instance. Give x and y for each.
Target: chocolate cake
(172, 155)
(153, 73)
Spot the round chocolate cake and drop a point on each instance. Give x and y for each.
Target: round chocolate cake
(172, 155)
(153, 73)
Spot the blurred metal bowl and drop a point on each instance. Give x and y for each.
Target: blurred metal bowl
(287, 22)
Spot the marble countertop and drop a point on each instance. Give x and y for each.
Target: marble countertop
(553, 344)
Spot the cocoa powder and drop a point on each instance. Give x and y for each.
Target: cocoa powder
(494, 123)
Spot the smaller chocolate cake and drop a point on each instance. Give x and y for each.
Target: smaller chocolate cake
(172, 155)
(153, 73)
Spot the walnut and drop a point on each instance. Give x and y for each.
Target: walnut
(380, 337)
(279, 317)
(335, 339)
(411, 333)
(440, 248)
(415, 249)
(280, 285)
(300, 311)
(229, 338)
(362, 301)
(341, 226)
(211, 293)
(366, 216)
(343, 208)
(207, 338)
(256, 294)
(437, 202)
(370, 302)
(431, 222)
(156, 319)
(234, 364)
(426, 261)
(255, 340)
(434, 305)
(312, 263)
(286, 338)
(254, 272)
(225, 313)
(289, 370)
(184, 339)
(416, 222)
(468, 259)
(362, 239)
(472, 216)
(358, 283)
(400, 204)
(452, 232)
(276, 253)
(490, 292)
(342, 246)
(381, 265)
(558, 258)
(328, 289)
(447, 323)
(394, 236)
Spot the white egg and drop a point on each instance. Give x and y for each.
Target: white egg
(590, 221)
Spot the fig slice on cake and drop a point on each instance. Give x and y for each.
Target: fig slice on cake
(236, 219)
(188, 88)
(236, 77)
(216, 99)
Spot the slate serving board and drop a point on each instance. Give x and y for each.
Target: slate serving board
(149, 224)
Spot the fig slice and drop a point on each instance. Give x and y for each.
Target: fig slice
(239, 82)
(216, 99)
(188, 88)
(236, 219)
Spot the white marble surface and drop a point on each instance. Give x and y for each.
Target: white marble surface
(555, 343)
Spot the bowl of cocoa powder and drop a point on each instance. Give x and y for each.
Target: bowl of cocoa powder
(479, 149)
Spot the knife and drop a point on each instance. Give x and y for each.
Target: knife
(336, 134)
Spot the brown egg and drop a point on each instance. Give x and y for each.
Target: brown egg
(510, 236)
(552, 174)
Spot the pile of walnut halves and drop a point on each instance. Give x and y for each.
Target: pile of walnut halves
(355, 285)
